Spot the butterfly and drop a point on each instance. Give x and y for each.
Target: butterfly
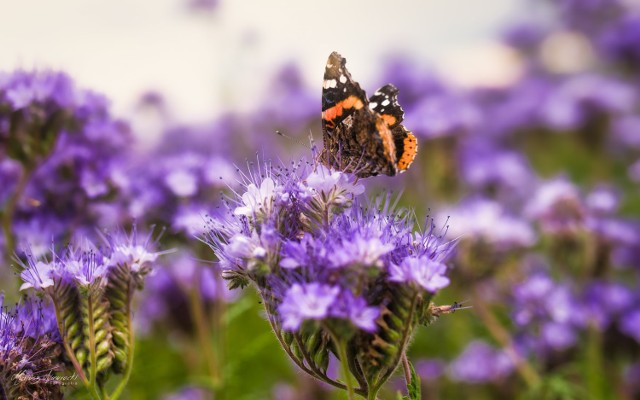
(362, 135)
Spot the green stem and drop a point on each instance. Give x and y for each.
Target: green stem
(127, 373)
(406, 368)
(10, 209)
(503, 337)
(199, 317)
(344, 362)
(93, 359)
(218, 318)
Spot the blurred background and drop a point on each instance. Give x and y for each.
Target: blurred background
(209, 55)
(528, 120)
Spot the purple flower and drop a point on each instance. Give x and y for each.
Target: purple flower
(630, 324)
(257, 200)
(360, 251)
(430, 369)
(425, 272)
(38, 275)
(487, 221)
(625, 130)
(126, 250)
(558, 335)
(323, 254)
(493, 168)
(182, 183)
(442, 115)
(480, 363)
(308, 301)
(356, 310)
(188, 393)
(333, 187)
(557, 206)
(85, 267)
(67, 147)
(29, 346)
(578, 97)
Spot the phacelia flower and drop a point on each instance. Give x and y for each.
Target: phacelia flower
(30, 351)
(310, 301)
(427, 273)
(92, 291)
(317, 252)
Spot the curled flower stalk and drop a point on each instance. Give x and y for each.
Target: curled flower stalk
(340, 277)
(92, 292)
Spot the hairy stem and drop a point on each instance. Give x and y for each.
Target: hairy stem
(200, 320)
(342, 351)
(502, 336)
(7, 214)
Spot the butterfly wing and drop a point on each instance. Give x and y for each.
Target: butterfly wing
(385, 102)
(341, 95)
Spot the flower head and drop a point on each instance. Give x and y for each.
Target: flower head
(309, 301)
(317, 252)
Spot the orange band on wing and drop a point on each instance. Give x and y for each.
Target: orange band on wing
(387, 140)
(389, 119)
(409, 151)
(350, 102)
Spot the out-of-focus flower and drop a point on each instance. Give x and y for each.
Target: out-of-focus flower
(557, 206)
(487, 221)
(66, 147)
(480, 363)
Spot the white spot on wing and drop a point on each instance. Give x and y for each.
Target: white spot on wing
(329, 83)
(373, 105)
(385, 102)
(343, 79)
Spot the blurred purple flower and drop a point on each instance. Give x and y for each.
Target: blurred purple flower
(487, 221)
(630, 324)
(430, 369)
(443, 114)
(524, 36)
(578, 97)
(557, 206)
(488, 167)
(480, 363)
(619, 42)
(188, 392)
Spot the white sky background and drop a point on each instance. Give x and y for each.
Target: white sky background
(204, 62)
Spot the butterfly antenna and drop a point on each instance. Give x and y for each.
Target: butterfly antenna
(295, 140)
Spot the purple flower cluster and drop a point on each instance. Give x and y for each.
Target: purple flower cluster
(60, 151)
(85, 265)
(92, 290)
(328, 263)
(30, 351)
(535, 170)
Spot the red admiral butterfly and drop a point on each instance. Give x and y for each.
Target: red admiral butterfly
(361, 135)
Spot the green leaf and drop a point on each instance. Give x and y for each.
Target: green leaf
(413, 388)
